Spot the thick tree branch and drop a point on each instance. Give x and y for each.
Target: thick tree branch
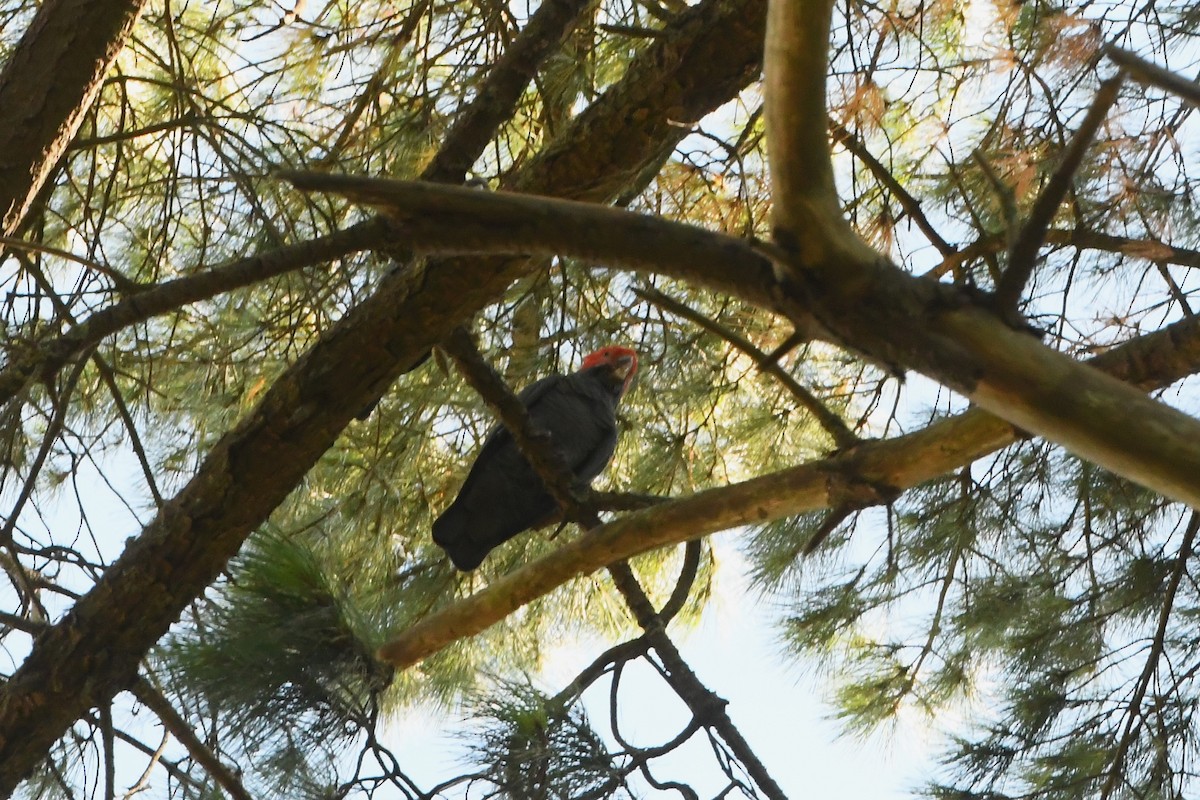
(806, 217)
(883, 312)
(493, 103)
(46, 88)
(456, 220)
(1155, 360)
(703, 59)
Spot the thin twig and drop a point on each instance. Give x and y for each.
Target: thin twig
(683, 586)
(1157, 645)
(842, 436)
(143, 782)
(885, 176)
(154, 700)
(1022, 257)
(703, 703)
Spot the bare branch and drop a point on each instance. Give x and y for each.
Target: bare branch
(806, 217)
(1154, 360)
(885, 176)
(1084, 239)
(456, 220)
(705, 705)
(1146, 73)
(1022, 256)
(154, 700)
(872, 307)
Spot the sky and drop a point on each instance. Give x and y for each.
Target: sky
(780, 704)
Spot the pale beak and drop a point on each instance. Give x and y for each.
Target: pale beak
(622, 365)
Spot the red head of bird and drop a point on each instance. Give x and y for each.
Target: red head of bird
(622, 360)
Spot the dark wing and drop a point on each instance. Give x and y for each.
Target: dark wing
(502, 495)
(498, 437)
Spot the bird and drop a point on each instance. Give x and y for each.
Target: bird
(503, 495)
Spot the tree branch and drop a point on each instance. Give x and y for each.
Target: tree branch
(1084, 239)
(494, 101)
(47, 87)
(806, 217)
(1022, 256)
(47, 358)
(876, 309)
(885, 176)
(456, 220)
(1157, 359)
(533, 442)
(154, 700)
(1149, 74)
(834, 426)
(704, 704)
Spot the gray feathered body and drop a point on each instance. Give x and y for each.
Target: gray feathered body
(502, 495)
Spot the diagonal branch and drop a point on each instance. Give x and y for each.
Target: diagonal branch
(502, 88)
(47, 87)
(872, 307)
(704, 704)
(1022, 256)
(1151, 361)
(533, 442)
(885, 176)
(556, 474)
(1147, 73)
(154, 700)
(834, 426)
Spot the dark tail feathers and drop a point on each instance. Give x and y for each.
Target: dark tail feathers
(452, 534)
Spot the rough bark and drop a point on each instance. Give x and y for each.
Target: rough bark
(47, 87)
(701, 61)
